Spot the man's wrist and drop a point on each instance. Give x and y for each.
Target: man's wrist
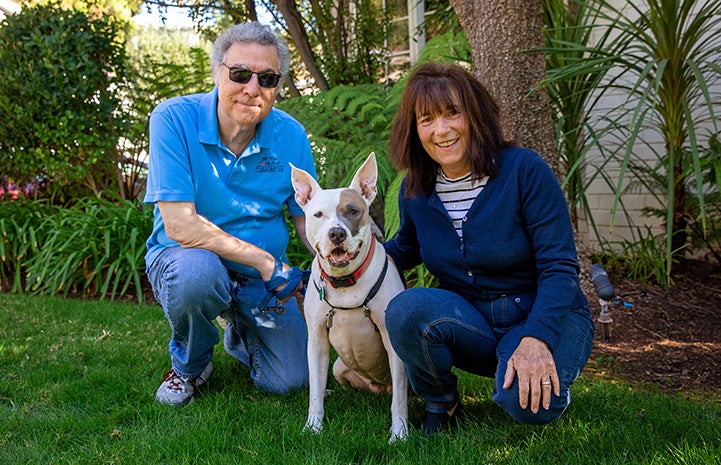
(270, 268)
(277, 268)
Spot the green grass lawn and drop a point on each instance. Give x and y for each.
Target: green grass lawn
(77, 384)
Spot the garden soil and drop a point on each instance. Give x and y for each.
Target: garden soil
(665, 339)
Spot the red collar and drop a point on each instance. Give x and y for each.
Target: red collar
(351, 279)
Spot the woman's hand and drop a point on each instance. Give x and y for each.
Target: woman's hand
(533, 363)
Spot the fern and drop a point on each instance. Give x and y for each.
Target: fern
(449, 47)
(358, 115)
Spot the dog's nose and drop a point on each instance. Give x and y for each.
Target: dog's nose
(337, 235)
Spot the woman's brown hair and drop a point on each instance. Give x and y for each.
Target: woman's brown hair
(432, 89)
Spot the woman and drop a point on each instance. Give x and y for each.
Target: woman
(490, 221)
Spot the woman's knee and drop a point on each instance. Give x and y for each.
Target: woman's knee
(414, 306)
(508, 400)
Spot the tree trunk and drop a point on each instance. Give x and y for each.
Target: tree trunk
(498, 32)
(250, 7)
(294, 22)
(237, 15)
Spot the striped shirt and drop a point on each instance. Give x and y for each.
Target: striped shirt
(458, 195)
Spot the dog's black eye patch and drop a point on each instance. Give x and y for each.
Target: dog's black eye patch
(353, 210)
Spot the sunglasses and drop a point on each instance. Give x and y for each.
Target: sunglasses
(242, 76)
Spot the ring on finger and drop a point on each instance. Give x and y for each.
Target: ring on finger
(546, 383)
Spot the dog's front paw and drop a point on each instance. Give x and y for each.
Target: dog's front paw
(313, 424)
(399, 430)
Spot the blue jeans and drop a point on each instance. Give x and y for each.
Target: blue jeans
(433, 330)
(194, 287)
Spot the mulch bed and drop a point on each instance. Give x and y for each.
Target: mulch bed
(670, 339)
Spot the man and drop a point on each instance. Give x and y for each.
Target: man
(219, 178)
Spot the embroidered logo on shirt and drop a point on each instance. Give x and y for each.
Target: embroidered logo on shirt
(269, 164)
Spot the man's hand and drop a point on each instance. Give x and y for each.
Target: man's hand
(298, 288)
(533, 364)
(284, 283)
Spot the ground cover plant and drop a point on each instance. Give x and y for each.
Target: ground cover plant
(77, 382)
(95, 247)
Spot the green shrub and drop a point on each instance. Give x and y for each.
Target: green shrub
(58, 101)
(20, 238)
(642, 259)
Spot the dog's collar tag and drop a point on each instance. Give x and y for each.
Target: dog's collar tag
(329, 318)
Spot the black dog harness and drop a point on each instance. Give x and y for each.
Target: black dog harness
(347, 282)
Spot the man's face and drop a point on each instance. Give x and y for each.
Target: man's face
(246, 104)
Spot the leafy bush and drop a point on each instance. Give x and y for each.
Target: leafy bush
(642, 259)
(20, 239)
(57, 98)
(160, 65)
(96, 247)
(344, 125)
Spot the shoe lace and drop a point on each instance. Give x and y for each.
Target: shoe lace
(175, 382)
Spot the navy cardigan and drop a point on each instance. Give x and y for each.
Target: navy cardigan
(517, 239)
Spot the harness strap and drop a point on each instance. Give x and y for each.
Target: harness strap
(371, 294)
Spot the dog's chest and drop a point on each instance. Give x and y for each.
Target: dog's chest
(352, 327)
(357, 340)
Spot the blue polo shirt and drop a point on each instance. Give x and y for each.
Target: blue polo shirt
(245, 196)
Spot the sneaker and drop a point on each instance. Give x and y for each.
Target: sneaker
(438, 422)
(177, 391)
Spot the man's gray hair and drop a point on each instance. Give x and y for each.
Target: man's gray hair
(250, 32)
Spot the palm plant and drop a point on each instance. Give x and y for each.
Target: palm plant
(575, 70)
(660, 56)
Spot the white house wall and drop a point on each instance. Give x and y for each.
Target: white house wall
(617, 229)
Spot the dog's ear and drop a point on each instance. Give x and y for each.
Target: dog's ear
(304, 185)
(366, 178)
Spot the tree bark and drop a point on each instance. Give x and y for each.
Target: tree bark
(250, 7)
(499, 31)
(294, 23)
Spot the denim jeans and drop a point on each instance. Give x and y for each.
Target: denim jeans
(433, 330)
(194, 287)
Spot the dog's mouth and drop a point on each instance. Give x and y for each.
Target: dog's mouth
(340, 258)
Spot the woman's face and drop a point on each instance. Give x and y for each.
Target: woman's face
(444, 135)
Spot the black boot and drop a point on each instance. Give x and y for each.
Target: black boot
(437, 422)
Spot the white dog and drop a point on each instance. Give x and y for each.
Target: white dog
(351, 283)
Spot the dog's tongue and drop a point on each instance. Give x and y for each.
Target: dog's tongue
(339, 258)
